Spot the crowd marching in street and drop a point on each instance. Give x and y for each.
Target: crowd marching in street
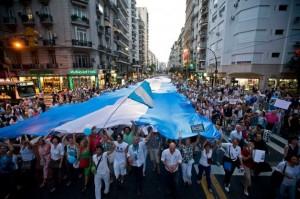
(110, 155)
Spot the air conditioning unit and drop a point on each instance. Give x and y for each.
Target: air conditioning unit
(232, 18)
(236, 4)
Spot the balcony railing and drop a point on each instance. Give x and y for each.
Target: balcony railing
(82, 65)
(76, 42)
(79, 19)
(10, 20)
(26, 20)
(46, 19)
(49, 42)
(44, 2)
(81, 2)
(48, 66)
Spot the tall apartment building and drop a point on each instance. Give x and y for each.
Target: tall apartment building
(253, 40)
(202, 34)
(144, 16)
(188, 29)
(68, 43)
(133, 33)
(142, 48)
(153, 59)
(175, 54)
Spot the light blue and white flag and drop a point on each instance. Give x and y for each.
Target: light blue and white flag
(143, 94)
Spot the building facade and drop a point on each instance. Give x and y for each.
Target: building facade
(144, 17)
(253, 40)
(68, 44)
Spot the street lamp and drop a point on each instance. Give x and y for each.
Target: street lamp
(216, 64)
(18, 45)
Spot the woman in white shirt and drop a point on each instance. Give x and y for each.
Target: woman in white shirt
(205, 164)
(232, 159)
(56, 160)
(291, 171)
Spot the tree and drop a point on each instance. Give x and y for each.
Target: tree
(294, 66)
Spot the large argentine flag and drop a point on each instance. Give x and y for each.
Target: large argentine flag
(154, 102)
(143, 94)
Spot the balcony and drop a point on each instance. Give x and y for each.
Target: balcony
(27, 19)
(49, 42)
(82, 65)
(25, 2)
(46, 19)
(80, 2)
(49, 66)
(44, 2)
(101, 48)
(80, 20)
(10, 21)
(76, 42)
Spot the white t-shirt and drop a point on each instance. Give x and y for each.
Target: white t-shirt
(204, 157)
(120, 150)
(137, 155)
(171, 159)
(292, 172)
(57, 151)
(231, 152)
(103, 167)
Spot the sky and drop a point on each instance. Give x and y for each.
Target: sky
(166, 18)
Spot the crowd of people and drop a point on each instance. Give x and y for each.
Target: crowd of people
(110, 155)
(30, 107)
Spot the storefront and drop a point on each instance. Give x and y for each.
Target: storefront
(288, 83)
(83, 78)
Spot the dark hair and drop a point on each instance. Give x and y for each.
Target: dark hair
(55, 137)
(99, 146)
(290, 156)
(292, 138)
(121, 135)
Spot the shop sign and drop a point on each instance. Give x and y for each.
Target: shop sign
(83, 72)
(40, 72)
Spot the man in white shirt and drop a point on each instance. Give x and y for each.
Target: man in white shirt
(120, 158)
(232, 159)
(136, 158)
(171, 159)
(237, 133)
(100, 160)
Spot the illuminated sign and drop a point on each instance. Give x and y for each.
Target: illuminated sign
(83, 72)
(25, 84)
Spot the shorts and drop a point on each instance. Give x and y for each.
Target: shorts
(119, 169)
(154, 156)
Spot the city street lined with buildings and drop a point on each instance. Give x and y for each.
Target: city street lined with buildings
(150, 98)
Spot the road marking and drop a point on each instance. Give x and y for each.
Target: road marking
(208, 195)
(218, 187)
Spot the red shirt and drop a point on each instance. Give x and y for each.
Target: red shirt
(248, 163)
(272, 118)
(95, 139)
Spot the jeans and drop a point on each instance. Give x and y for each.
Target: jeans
(186, 169)
(228, 174)
(207, 174)
(286, 190)
(138, 174)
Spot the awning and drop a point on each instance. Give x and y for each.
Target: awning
(246, 75)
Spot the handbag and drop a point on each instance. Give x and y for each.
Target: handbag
(95, 167)
(277, 177)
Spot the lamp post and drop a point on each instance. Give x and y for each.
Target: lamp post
(216, 65)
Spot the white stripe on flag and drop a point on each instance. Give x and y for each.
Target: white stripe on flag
(144, 95)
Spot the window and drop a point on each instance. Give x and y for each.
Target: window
(82, 61)
(81, 34)
(50, 35)
(282, 7)
(275, 55)
(45, 10)
(52, 57)
(10, 12)
(80, 12)
(34, 57)
(214, 18)
(28, 12)
(279, 32)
